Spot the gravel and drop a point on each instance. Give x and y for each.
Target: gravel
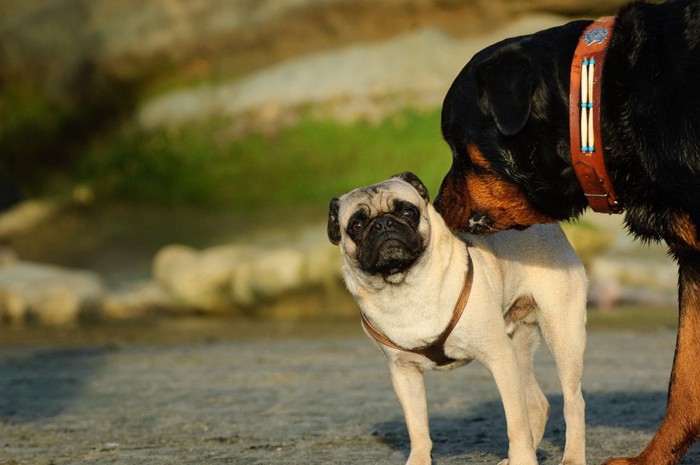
(312, 400)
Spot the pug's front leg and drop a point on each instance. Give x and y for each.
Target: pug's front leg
(410, 389)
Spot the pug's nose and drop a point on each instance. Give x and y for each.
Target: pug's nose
(382, 224)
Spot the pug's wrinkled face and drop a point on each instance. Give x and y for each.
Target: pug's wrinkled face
(383, 228)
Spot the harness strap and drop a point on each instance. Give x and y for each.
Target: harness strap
(435, 351)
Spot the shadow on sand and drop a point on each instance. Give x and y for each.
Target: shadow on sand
(483, 431)
(44, 383)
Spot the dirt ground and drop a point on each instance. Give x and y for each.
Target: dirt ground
(290, 395)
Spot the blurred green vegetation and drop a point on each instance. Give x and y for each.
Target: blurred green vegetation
(43, 133)
(633, 318)
(588, 240)
(205, 165)
(303, 165)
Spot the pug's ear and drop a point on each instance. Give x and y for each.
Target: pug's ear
(413, 180)
(333, 221)
(506, 82)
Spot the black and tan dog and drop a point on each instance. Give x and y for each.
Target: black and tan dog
(507, 120)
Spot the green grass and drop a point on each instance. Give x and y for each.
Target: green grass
(633, 318)
(304, 165)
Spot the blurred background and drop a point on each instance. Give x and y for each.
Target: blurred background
(174, 159)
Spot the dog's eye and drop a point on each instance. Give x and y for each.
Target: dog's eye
(357, 226)
(410, 213)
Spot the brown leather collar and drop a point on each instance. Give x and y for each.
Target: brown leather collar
(435, 351)
(584, 116)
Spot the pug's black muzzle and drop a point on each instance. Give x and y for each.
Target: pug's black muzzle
(389, 246)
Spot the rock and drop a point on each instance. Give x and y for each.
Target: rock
(233, 277)
(268, 274)
(324, 265)
(199, 280)
(139, 301)
(25, 215)
(168, 262)
(55, 40)
(344, 85)
(47, 294)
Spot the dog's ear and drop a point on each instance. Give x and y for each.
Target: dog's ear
(333, 221)
(413, 180)
(506, 83)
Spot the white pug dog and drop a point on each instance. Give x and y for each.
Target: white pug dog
(434, 301)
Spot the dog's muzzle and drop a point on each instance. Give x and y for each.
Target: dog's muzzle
(390, 246)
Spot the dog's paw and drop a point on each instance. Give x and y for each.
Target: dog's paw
(420, 458)
(518, 461)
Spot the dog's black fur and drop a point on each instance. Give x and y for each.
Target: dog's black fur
(511, 102)
(506, 119)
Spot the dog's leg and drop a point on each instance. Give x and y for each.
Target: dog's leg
(503, 364)
(526, 339)
(409, 386)
(681, 425)
(566, 339)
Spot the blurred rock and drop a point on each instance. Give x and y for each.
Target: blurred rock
(199, 280)
(323, 264)
(54, 39)
(345, 85)
(26, 215)
(235, 278)
(285, 278)
(267, 274)
(139, 301)
(48, 295)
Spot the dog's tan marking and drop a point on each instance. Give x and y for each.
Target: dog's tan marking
(488, 194)
(455, 202)
(686, 231)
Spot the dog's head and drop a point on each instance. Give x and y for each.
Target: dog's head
(506, 120)
(384, 228)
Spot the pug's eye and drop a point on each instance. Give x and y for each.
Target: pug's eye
(410, 213)
(357, 226)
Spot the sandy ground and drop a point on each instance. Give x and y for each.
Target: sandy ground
(321, 398)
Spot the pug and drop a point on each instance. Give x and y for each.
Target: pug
(432, 300)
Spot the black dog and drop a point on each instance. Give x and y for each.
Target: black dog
(506, 119)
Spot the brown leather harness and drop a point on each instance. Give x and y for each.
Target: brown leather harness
(435, 351)
(584, 116)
